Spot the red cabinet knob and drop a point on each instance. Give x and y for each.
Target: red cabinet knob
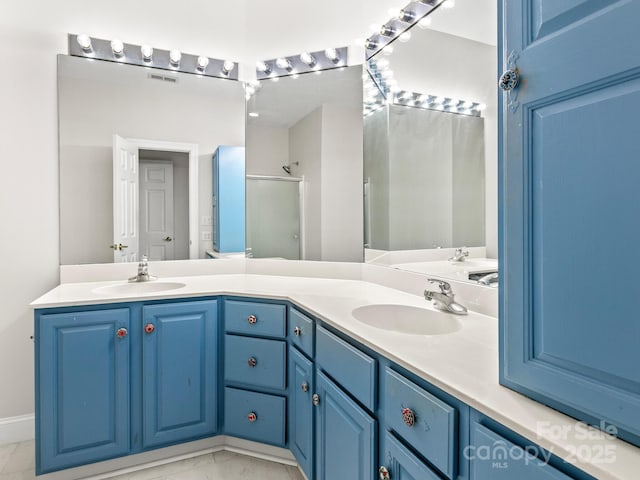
(121, 332)
(252, 362)
(252, 319)
(149, 328)
(408, 417)
(252, 417)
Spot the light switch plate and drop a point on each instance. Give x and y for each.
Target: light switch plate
(206, 236)
(206, 220)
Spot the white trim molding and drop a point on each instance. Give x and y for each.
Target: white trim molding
(17, 429)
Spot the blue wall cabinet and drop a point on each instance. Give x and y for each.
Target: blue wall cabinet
(345, 434)
(228, 199)
(569, 208)
(300, 419)
(82, 387)
(179, 368)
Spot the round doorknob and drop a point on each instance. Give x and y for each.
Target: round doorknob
(168, 239)
(252, 362)
(252, 417)
(509, 80)
(408, 417)
(305, 387)
(149, 328)
(121, 332)
(252, 319)
(297, 331)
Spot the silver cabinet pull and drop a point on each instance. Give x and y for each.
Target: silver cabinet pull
(252, 319)
(297, 331)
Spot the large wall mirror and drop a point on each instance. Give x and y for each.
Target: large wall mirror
(304, 167)
(154, 131)
(430, 135)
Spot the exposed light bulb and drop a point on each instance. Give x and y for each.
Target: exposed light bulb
(147, 53)
(424, 22)
(307, 59)
(201, 63)
(228, 67)
(117, 47)
(387, 31)
(370, 44)
(263, 67)
(284, 63)
(405, 37)
(85, 42)
(174, 57)
(406, 16)
(332, 54)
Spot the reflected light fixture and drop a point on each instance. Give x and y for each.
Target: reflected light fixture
(332, 55)
(284, 64)
(227, 67)
(308, 59)
(117, 47)
(147, 53)
(202, 63)
(85, 42)
(263, 67)
(174, 58)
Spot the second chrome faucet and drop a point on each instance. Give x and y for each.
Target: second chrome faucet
(445, 298)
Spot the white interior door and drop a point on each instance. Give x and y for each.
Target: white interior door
(125, 200)
(156, 210)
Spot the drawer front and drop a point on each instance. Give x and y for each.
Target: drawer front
(423, 420)
(254, 318)
(493, 457)
(301, 331)
(400, 463)
(255, 362)
(347, 365)
(255, 416)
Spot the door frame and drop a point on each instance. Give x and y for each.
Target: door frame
(192, 150)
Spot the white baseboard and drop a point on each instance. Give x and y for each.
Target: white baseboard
(17, 429)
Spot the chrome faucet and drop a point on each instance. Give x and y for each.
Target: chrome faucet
(445, 298)
(491, 279)
(143, 271)
(459, 255)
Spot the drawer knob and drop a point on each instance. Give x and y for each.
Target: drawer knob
(252, 417)
(149, 328)
(252, 319)
(297, 331)
(316, 399)
(384, 473)
(121, 332)
(408, 417)
(305, 387)
(252, 362)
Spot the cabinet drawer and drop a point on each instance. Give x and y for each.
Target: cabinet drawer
(347, 365)
(255, 362)
(401, 463)
(301, 331)
(433, 429)
(253, 318)
(255, 416)
(493, 457)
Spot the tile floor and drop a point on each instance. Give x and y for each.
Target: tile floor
(17, 462)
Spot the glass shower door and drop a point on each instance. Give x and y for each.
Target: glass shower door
(273, 218)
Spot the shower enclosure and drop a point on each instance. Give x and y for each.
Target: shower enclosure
(274, 217)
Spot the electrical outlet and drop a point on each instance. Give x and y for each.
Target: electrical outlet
(206, 236)
(206, 221)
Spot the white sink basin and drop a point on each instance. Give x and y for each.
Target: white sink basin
(407, 319)
(136, 288)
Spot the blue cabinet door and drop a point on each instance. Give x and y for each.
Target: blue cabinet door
(345, 435)
(82, 381)
(569, 208)
(400, 464)
(179, 365)
(300, 418)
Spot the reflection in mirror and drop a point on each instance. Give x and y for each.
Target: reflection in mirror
(304, 167)
(430, 135)
(134, 136)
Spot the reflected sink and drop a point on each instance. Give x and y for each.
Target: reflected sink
(407, 319)
(136, 288)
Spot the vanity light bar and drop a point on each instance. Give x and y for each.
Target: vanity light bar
(146, 56)
(304, 63)
(434, 102)
(401, 23)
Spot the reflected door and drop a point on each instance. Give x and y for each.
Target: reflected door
(125, 200)
(273, 218)
(156, 210)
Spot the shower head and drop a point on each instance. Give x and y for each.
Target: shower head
(287, 168)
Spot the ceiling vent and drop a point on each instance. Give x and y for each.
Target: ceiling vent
(163, 78)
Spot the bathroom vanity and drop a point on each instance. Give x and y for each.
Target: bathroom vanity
(284, 362)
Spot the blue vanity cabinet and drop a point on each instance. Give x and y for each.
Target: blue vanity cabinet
(346, 435)
(300, 415)
(82, 387)
(229, 199)
(179, 372)
(399, 463)
(569, 180)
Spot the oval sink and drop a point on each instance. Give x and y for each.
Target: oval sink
(136, 288)
(407, 319)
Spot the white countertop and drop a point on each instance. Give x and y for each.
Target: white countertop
(464, 363)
